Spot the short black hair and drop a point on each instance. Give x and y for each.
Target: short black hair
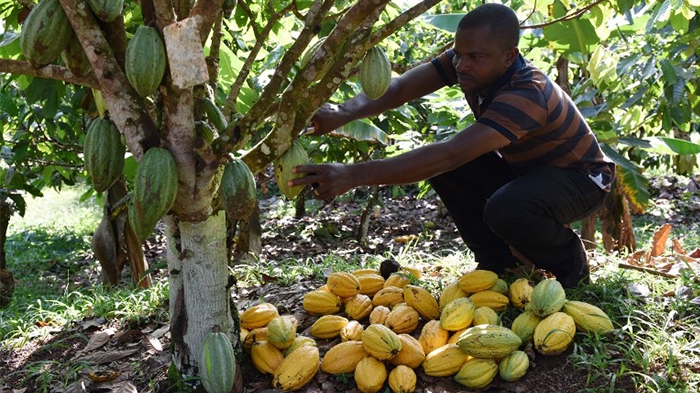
(500, 19)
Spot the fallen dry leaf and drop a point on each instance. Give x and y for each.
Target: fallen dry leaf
(98, 340)
(658, 243)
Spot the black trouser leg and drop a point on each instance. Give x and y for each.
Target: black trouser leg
(531, 211)
(465, 191)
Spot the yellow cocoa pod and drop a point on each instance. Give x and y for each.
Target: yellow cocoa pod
(321, 302)
(342, 358)
(358, 307)
(328, 326)
(388, 297)
(282, 331)
(266, 357)
(524, 325)
(301, 341)
(258, 316)
(402, 379)
(370, 375)
(477, 373)
(411, 353)
(420, 299)
(444, 361)
(433, 336)
(379, 315)
(455, 336)
(486, 316)
(554, 334)
(352, 331)
(491, 299)
(255, 335)
(458, 314)
(587, 317)
(381, 342)
(489, 341)
(548, 297)
(399, 280)
(402, 319)
(514, 366)
(451, 292)
(477, 280)
(416, 273)
(520, 293)
(370, 284)
(297, 369)
(363, 272)
(343, 284)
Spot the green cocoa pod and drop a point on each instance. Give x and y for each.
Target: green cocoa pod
(296, 155)
(205, 131)
(104, 153)
(75, 59)
(45, 33)
(145, 60)
(214, 114)
(155, 190)
(375, 73)
(106, 10)
(237, 190)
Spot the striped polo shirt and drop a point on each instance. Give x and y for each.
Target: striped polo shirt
(541, 121)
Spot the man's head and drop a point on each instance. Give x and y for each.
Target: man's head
(485, 46)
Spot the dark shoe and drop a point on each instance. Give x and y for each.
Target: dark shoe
(580, 276)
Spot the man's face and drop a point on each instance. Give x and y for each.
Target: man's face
(479, 60)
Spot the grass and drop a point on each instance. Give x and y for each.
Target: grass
(656, 343)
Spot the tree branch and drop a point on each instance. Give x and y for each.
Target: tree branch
(51, 71)
(126, 107)
(574, 14)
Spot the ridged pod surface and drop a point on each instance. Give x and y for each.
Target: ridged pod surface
(411, 353)
(489, 341)
(282, 331)
(266, 357)
(451, 292)
(388, 297)
(520, 293)
(375, 73)
(381, 342)
(477, 373)
(587, 317)
(358, 307)
(524, 325)
(74, 58)
(477, 280)
(155, 190)
(402, 379)
(444, 361)
(514, 366)
(422, 300)
(343, 357)
(433, 336)
(328, 326)
(104, 153)
(145, 60)
(370, 375)
(45, 33)
(343, 284)
(489, 298)
(554, 334)
(486, 316)
(402, 319)
(295, 155)
(548, 297)
(301, 341)
(321, 303)
(217, 363)
(258, 315)
(370, 283)
(352, 331)
(237, 190)
(297, 369)
(106, 10)
(458, 314)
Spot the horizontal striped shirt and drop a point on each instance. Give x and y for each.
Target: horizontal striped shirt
(542, 122)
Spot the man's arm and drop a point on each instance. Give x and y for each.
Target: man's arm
(416, 165)
(413, 84)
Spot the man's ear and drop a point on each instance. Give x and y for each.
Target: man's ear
(511, 55)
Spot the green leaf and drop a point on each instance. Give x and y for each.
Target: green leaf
(575, 36)
(665, 145)
(635, 186)
(619, 159)
(362, 130)
(446, 22)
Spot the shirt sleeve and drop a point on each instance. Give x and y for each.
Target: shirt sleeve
(444, 67)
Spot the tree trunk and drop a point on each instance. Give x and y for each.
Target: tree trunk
(199, 286)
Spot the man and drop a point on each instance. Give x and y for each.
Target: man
(512, 180)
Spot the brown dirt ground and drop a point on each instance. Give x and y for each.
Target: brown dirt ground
(137, 355)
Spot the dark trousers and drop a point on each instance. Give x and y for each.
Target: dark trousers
(494, 209)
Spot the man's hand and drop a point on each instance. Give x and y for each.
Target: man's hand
(328, 118)
(328, 180)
